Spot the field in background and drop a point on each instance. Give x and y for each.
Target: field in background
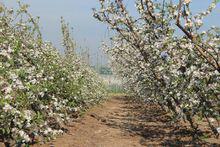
(114, 84)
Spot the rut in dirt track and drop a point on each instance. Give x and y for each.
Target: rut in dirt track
(121, 122)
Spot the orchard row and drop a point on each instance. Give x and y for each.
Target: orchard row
(164, 55)
(40, 89)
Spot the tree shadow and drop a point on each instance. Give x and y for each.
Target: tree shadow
(153, 125)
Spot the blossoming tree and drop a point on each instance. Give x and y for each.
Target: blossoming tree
(40, 89)
(179, 72)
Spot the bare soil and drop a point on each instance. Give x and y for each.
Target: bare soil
(121, 122)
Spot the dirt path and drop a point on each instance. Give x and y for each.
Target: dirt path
(119, 122)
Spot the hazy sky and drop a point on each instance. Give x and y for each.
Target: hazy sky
(86, 30)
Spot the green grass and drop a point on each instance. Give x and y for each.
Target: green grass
(115, 89)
